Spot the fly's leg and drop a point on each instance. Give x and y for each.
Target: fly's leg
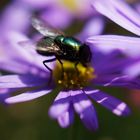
(62, 74)
(51, 72)
(77, 71)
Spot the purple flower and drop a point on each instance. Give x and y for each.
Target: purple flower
(75, 92)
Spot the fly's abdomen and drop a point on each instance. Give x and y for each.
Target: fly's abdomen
(85, 54)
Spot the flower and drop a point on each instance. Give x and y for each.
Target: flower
(75, 90)
(13, 58)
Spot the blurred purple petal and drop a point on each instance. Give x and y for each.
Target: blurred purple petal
(26, 96)
(15, 17)
(11, 39)
(61, 105)
(83, 9)
(24, 53)
(116, 65)
(19, 81)
(37, 4)
(20, 60)
(21, 67)
(93, 27)
(58, 17)
(133, 70)
(13, 66)
(83, 106)
(137, 7)
(117, 81)
(107, 43)
(114, 105)
(116, 69)
(113, 80)
(119, 12)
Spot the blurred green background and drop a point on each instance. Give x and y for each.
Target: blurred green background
(30, 121)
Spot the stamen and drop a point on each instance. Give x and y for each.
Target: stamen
(71, 79)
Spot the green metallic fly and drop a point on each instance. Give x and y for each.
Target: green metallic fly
(55, 43)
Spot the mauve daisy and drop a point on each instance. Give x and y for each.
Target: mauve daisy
(75, 91)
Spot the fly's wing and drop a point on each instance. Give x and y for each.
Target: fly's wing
(46, 46)
(44, 28)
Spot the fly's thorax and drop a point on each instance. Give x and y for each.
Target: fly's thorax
(70, 48)
(73, 78)
(59, 40)
(68, 43)
(72, 43)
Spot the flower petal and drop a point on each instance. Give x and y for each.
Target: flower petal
(12, 38)
(66, 118)
(119, 12)
(54, 13)
(26, 96)
(4, 93)
(117, 63)
(133, 70)
(19, 81)
(114, 105)
(35, 4)
(13, 12)
(90, 30)
(60, 105)
(113, 80)
(107, 43)
(85, 109)
(13, 66)
(137, 7)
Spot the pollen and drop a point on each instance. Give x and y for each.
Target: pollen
(70, 77)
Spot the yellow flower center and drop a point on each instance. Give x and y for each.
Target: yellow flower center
(71, 77)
